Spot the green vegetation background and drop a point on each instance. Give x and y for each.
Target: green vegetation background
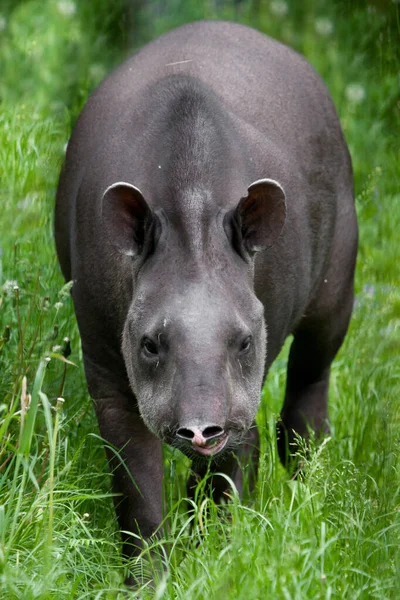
(335, 533)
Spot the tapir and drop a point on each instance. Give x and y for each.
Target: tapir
(204, 213)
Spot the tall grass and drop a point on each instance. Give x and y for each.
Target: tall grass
(333, 534)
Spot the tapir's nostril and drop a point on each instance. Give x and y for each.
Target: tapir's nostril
(212, 431)
(186, 434)
(200, 435)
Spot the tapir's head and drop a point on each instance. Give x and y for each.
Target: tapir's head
(194, 340)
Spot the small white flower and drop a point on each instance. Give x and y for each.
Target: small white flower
(9, 286)
(66, 8)
(86, 515)
(57, 106)
(279, 8)
(355, 93)
(56, 349)
(97, 72)
(24, 203)
(388, 330)
(28, 200)
(3, 23)
(58, 305)
(324, 26)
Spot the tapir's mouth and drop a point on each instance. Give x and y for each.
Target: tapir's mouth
(211, 447)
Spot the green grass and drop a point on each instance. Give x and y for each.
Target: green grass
(335, 533)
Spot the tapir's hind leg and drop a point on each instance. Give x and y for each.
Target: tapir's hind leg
(306, 398)
(316, 342)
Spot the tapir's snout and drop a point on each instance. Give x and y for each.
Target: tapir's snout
(207, 439)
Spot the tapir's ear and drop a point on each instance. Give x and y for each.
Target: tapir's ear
(261, 215)
(126, 217)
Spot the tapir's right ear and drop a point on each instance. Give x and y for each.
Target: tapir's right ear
(127, 218)
(260, 216)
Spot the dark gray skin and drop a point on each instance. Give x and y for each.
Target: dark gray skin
(188, 278)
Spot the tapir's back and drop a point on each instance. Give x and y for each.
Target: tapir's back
(267, 86)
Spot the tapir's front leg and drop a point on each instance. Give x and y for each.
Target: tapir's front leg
(135, 458)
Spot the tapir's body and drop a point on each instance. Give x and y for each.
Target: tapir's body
(164, 277)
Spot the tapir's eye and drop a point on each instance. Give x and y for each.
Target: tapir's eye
(246, 344)
(149, 347)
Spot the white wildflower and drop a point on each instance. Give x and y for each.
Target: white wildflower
(58, 305)
(3, 23)
(66, 8)
(28, 200)
(97, 72)
(56, 349)
(355, 93)
(57, 106)
(65, 290)
(324, 26)
(279, 8)
(25, 203)
(389, 329)
(9, 286)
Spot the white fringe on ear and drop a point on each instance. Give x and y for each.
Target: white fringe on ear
(265, 180)
(124, 183)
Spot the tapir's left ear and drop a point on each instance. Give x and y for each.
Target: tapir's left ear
(261, 215)
(127, 218)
